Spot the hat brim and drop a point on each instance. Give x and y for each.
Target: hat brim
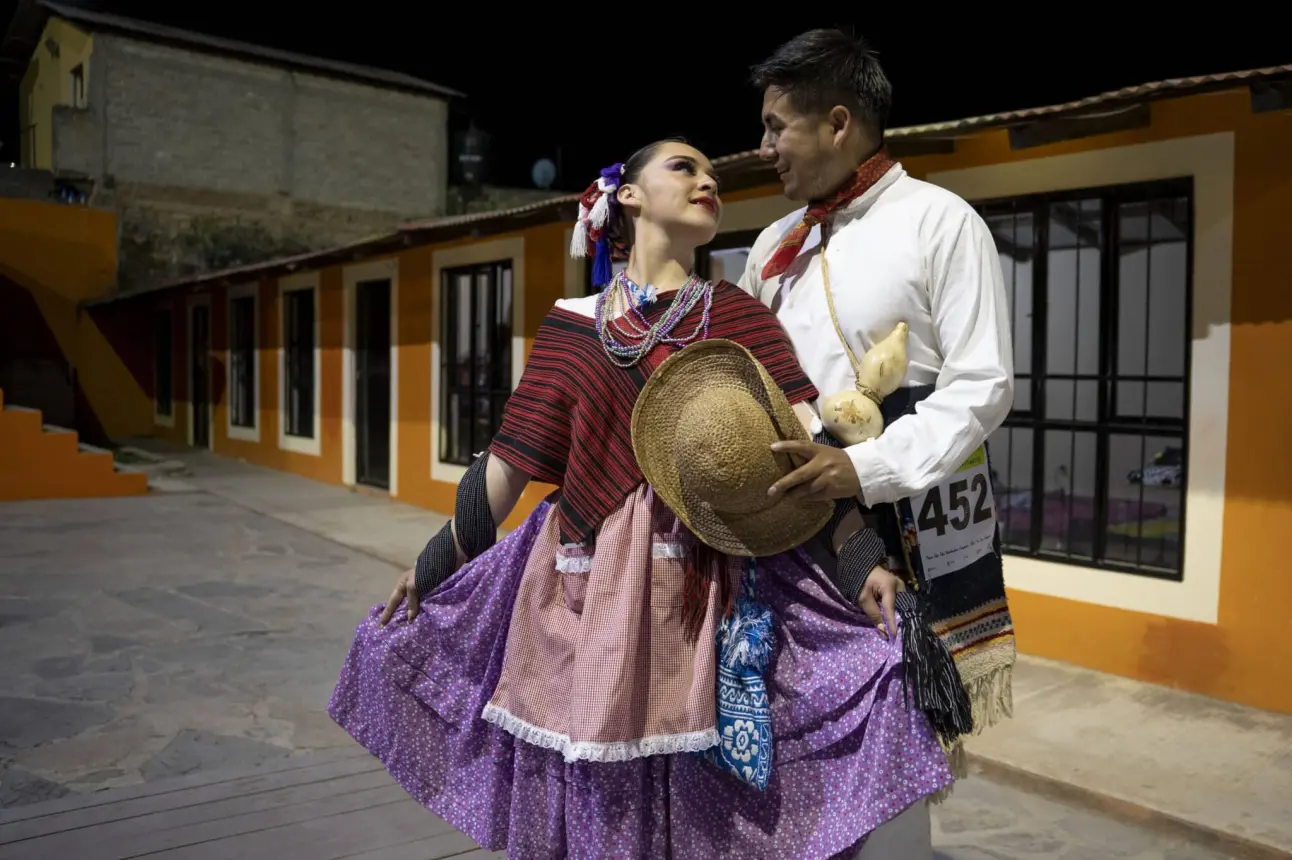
(780, 526)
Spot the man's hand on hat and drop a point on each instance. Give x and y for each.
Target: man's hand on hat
(826, 475)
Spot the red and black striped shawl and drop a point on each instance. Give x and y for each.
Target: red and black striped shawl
(569, 421)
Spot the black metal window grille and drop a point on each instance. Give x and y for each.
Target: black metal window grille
(475, 357)
(242, 361)
(299, 356)
(1090, 466)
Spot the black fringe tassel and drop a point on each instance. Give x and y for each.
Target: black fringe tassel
(931, 673)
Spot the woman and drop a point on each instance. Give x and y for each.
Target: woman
(544, 695)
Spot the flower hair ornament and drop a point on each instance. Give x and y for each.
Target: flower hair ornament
(592, 230)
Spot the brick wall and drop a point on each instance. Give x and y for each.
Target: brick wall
(77, 140)
(187, 119)
(175, 136)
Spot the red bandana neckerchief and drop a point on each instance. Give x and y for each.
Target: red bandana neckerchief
(870, 172)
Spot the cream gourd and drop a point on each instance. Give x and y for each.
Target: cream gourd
(854, 416)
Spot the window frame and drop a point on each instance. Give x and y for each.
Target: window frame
(498, 357)
(78, 94)
(239, 426)
(300, 362)
(1108, 422)
(288, 287)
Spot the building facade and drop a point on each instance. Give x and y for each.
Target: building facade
(1141, 479)
(214, 153)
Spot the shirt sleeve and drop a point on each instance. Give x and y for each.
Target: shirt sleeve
(536, 424)
(975, 387)
(751, 281)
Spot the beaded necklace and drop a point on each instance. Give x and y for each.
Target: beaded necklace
(643, 337)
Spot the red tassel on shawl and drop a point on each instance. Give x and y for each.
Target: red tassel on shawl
(704, 564)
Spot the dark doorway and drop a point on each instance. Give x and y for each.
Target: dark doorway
(372, 383)
(200, 376)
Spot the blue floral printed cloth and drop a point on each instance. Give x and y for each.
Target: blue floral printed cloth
(744, 642)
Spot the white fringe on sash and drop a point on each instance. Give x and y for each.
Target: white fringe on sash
(958, 760)
(992, 698)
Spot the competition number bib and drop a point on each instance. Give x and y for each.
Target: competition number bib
(956, 520)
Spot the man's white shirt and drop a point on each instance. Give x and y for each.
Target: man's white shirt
(905, 251)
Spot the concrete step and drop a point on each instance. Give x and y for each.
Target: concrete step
(160, 471)
(48, 461)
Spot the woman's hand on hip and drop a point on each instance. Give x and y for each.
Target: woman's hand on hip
(878, 599)
(404, 588)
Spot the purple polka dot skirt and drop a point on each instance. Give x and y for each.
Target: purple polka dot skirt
(850, 753)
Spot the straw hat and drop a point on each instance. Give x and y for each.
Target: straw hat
(702, 431)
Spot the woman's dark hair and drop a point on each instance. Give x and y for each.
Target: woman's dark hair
(823, 68)
(638, 160)
(621, 227)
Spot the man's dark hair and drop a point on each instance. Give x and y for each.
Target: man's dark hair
(823, 68)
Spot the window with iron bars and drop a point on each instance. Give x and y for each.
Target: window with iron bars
(1090, 466)
(475, 349)
(242, 361)
(299, 355)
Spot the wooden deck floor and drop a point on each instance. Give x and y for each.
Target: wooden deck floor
(322, 806)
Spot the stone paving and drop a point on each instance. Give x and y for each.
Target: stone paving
(154, 636)
(163, 635)
(983, 820)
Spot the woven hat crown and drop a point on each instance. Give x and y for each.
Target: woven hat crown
(729, 429)
(702, 431)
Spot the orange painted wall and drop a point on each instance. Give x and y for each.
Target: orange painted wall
(266, 452)
(418, 300)
(67, 250)
(62, 255)
(1247, 656)
(35, 464)
(419, 322)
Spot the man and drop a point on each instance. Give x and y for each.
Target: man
(899, 250)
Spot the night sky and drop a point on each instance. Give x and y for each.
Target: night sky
(591, 88)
